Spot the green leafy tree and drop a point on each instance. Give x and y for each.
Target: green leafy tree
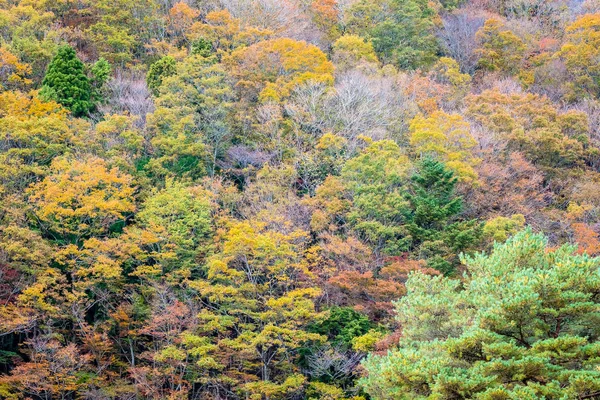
(100, 74)
(158, 71)
(342, 325)
(522, 325)
(202, 47)
(190, 125)
(176, 222)
(402, 31)
(377, 179)
(67, 84)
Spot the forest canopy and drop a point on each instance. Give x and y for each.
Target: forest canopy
(299, 199)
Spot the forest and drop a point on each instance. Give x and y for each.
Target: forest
(299, 199)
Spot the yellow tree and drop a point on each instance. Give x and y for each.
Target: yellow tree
(531, 124)
(32, 132)
(581, 53)
(271, 69)
(256, 301)
(501, 50)
(81, 198)
(350, 51)
(446, 137)
(13, 73)
(225, 32)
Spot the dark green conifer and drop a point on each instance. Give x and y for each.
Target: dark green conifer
(67, 84)
(437, 232)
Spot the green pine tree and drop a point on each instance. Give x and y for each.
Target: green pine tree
(437, 232)
(522, 324)
(66, 83)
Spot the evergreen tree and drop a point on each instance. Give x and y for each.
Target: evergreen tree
(522, 325)
(433, 199)
(432, 221)
(66, 83)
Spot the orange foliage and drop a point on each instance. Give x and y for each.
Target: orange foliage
(270, 70)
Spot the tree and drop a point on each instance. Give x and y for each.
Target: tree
(325, 15)
(80, 198)
(523, 324)
(499, 229)
(14, 74)
(446, 137)
(175, 223)
(377, 179)
(100, 74)
(256, 303)
(227, 33)
(581, 52)
(271, 69)
(531, 124)
(191, 127)
(350, 51)
(159, 70)
(342, 325)
(66, 83)
(458, 37)
(53, 371)
(32, 133)
(402, 32)
(114, 43)
(500, 49)
(436, 234)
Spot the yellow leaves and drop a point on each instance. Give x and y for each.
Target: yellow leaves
(32, 132)
(119, 137)
(277, 66)
(350, 51)
(82, 197)
(448, 138)
(266, 389)
(577, 211)
(147, 271)
(16, 318)
(331, 143)
(500, 228)
(581, 51)
(14, 73)
(326, 15)
(23, 248)
(40, 295)
(182, 16)
(170, 353)
(295, 305)
(367, 342)
(323, 391)
(501, 49)
(448, 69)
(226, 32)
(329, 202)
(218, 270)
